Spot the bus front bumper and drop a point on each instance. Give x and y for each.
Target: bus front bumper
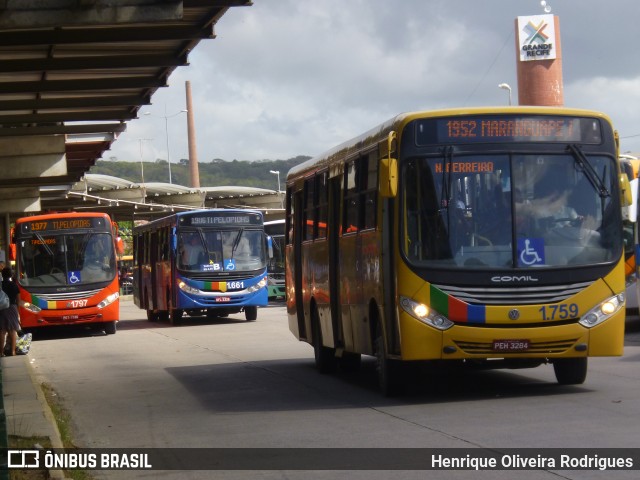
(423, 342)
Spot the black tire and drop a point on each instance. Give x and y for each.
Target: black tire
(350, 362)
(325, 357)
(152, 316)
(110, 328)
(251, 313)
(389, 370)
(570, 371)
(175, 316)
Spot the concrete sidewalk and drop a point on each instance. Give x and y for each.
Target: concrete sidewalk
(26, 411)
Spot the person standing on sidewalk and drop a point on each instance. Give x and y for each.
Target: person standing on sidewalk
(9, 317)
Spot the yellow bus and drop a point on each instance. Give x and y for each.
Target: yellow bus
(629, 165)
(479, 236)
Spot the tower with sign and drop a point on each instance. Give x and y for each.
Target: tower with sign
(539, 59)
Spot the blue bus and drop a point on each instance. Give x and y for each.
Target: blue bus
(202, 262)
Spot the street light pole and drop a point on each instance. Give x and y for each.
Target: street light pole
(505, 86)
(276, 172)
(166, 133)
(144, 189)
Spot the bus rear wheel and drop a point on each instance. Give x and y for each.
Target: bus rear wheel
(325, 357)
(152, 316)
(570, 371)
(175, 316)
(350, 362)
(251, 313)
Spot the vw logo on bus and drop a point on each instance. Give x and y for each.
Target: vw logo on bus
(514, 314)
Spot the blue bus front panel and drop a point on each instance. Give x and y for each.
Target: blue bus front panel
(198, 294)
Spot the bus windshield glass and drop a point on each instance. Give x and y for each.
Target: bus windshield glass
(52, 259)
(215, 250)
(510, 210)
(275, 267)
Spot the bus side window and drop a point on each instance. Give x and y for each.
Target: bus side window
(369, 189)
(350, 221)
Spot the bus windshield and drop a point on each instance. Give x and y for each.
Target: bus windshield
(66, 259)
(510, 210)
(215, 250)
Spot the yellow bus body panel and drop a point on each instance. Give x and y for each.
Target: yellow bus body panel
(420, 341)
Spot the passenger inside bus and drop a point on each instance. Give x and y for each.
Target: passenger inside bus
(242, 249)
(193, 253)
(99, 259)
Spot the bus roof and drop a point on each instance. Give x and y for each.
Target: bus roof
(55, 215)
(397, 123)
(188, 213)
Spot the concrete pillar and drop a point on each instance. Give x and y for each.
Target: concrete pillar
(539, 77)
(194, 173)
(29, 157)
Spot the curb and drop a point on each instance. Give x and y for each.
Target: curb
(26, 405)
(4, 438)
(56, 440)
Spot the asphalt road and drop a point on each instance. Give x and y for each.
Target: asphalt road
(231, 383)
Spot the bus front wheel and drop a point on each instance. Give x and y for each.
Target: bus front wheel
(570, 371)
(251, 313)
(110, 328)
(389, 373)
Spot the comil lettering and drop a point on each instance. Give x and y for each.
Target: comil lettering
(513, 278)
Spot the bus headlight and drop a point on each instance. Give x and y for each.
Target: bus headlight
(109, 300)
(600, 313)
(426, 315)
(29, 306)
(186, 288)
(261, 284)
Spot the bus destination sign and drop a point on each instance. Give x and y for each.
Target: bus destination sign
(209, 220)
(61, 224)
(508, 128)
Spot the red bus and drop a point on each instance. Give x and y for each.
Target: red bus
(66, 270)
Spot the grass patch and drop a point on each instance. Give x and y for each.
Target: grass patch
(63, 420)
(27, 443)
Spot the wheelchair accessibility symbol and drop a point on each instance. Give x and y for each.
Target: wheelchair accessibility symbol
(530, 251)
(73, 277)
(230, 264)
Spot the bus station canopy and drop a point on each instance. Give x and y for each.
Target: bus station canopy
(72, 73)
(122, 198)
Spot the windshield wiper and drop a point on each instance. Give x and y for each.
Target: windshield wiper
(447, 178)
(44, 244)
(583, 162)
(236, 241)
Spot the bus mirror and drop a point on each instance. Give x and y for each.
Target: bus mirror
(12, 244)
(270, 246)
(119, 245)
(388, 177)
(625, 187)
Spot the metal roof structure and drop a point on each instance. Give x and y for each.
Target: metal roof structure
(123, 199)
(75, 71)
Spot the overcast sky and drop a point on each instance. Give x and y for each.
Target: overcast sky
(296, 77)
